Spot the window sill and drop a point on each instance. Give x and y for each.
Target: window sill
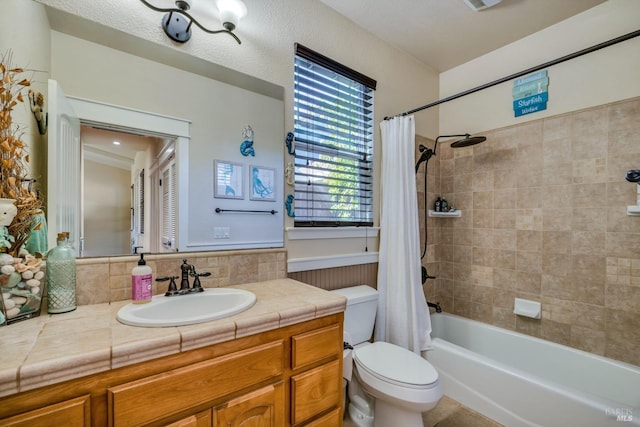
(313, 233)
(317, 263)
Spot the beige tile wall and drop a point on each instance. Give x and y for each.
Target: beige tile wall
(101, 280)
(544, 218)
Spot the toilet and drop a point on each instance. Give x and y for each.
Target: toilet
(389, 385)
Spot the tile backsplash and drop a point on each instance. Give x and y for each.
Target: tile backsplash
(101, 280)
(544, 218)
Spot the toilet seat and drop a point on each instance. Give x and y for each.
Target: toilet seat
(395, 365)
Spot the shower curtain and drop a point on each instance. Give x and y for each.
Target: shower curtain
(403, 316)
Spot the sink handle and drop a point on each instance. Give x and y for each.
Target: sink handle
(173, 289)
(197, 286)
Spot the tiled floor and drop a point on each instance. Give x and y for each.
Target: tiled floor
(449, 413)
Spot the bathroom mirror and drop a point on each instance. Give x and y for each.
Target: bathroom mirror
(115, 191)
(217, 103)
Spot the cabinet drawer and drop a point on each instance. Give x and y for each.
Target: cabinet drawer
(315, 391)
(316, 345)
(332, 419)
(73, 413)
(159, 396)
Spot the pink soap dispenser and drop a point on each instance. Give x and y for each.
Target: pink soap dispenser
(141, 282)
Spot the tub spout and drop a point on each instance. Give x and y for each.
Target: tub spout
(436, 306)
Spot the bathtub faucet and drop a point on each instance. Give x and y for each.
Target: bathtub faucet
(436, 306)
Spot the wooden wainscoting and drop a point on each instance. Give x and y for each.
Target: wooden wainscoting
(339, 277)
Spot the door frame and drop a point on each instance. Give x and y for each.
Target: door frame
(125, 119)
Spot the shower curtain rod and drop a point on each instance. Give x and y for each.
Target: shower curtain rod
(524, 72)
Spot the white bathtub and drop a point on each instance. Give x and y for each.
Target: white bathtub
(519, 380)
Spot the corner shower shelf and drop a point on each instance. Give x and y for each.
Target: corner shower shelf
(633, 210)
(454, 214)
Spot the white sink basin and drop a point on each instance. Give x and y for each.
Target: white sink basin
(179, 310)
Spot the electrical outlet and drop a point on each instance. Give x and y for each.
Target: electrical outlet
(221, 232)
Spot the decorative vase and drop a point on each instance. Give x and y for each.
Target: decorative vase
(61, 276)
(22, 285)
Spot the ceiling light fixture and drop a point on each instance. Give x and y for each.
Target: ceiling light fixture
(479, 5)
(177, 21)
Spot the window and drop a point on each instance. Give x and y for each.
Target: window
(333, 128)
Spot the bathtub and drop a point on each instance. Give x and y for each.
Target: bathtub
(519, 380)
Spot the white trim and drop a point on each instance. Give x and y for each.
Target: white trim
(109, 116)
(316, 263)
(182, 187)
(216, 246)
(106, 158)
(312, 233)
(96, 112)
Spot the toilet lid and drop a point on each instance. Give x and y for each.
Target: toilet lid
(395, 364)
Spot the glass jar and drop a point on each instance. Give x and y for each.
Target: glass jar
(22, 285)
(61, 276)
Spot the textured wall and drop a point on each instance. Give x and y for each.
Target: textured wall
(544, 218)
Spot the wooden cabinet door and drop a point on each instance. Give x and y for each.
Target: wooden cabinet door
(70, 413)
(332, 419)
(261, 408)
(315, 391)
(201, 419)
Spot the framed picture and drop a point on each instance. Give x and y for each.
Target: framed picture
(228, 180)
(262, 183)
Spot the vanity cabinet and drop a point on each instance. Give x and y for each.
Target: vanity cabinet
(71, 413)
(316, 390)
(201, 419)
(263, 407)
(290, 376)
(157, 397)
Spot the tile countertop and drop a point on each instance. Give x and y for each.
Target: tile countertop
(53, 348)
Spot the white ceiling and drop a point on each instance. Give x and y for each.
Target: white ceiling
(446, 33)
(98, 145)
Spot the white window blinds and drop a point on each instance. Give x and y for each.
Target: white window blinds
(333, 129)
(141, 202)
(169, 202)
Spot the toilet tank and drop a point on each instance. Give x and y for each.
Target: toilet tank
(360, 315)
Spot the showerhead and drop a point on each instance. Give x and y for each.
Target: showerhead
(633, 175)
(425, 156)
(468, 141)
